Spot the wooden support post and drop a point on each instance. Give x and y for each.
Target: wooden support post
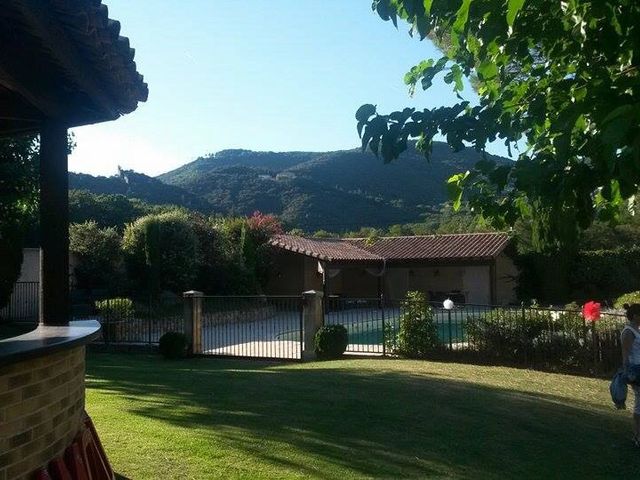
(54, 225)
(493, 282)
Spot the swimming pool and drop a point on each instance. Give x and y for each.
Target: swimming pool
(372, 332)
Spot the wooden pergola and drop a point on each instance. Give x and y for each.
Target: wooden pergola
(63, 64)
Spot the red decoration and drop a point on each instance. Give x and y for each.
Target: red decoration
(591, 311)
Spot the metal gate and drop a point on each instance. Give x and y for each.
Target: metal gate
(252, 326)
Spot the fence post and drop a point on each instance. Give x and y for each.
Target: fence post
(524, 322)
(193, 320)
(384, 327)
(312, 320)
(450, 330)
(596, 346)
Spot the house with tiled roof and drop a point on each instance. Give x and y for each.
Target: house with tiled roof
(473, 268)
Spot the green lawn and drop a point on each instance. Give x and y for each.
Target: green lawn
(363, 418)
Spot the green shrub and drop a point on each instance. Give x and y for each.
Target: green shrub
(113, 313)
(173, 345)
(115, 309)
(556, 277)
(507, 333)
(631, 297)
(417, 334)
(563, 349)
(160, 252)
(98, 252)
(331, 341)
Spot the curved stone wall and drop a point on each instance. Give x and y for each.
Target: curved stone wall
(41, 410)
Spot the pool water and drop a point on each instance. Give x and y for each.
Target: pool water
(371, 333)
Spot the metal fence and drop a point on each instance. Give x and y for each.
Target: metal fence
(272, 327)
(252, 326)
(535, 337)
(365, 319)
(23, 304)
(137, 321)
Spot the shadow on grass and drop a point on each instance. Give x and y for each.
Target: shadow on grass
(373, 423)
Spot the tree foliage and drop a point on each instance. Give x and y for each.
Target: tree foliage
(160, 252)
(560, 77)
(248, 249)
(18, 204)
(98, 253)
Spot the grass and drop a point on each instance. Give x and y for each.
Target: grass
(363, 418)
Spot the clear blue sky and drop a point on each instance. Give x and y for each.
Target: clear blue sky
(257, 74)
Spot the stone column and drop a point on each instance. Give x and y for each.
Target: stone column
(193, 320)
(312, 320)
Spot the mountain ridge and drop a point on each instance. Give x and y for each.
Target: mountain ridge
(338, 190)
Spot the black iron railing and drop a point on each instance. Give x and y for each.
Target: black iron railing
(516, 335)
(23, 304)
(136, 321)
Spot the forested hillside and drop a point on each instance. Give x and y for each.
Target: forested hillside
(140, 186)
(336, 191)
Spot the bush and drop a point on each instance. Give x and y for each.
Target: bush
(631, 297)
(114, 312)
(98, 253)
(173, 345)
(417, 334)
(563, 349)
(331, 341)
(556, 277)
(115, 309)
(160, 251)
(506, 333)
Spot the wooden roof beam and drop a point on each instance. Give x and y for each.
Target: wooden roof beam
(14, 107)
(14, 76)
(65, 53)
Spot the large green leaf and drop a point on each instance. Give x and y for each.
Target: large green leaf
(455, 188)
(513, 7)
(462, 16)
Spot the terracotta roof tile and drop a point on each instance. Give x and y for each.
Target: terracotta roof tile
(329, 250)
(454, 247)
(463, 246)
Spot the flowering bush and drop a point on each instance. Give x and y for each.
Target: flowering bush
(264, 225)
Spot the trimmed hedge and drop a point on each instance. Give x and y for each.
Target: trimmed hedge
(331, 341)
(631, 297)
(559, 277)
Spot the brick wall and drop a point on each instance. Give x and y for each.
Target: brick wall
(41, 410)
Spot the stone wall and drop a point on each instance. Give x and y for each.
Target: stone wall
(41, 410)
